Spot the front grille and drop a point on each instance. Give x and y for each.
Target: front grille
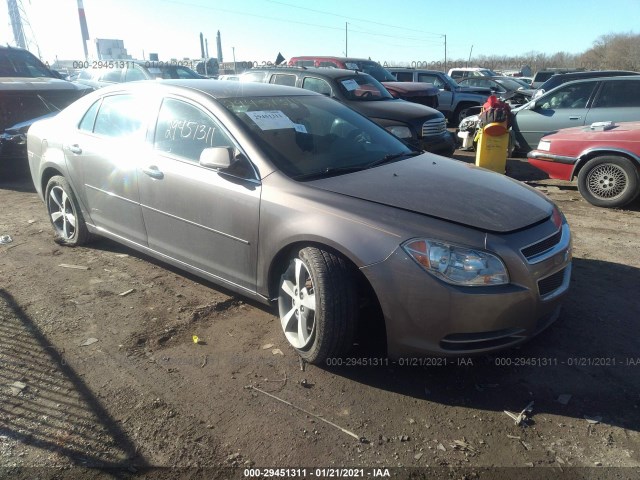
(542, 246)
(434, 127)
(551, 283)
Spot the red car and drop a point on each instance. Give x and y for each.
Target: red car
(605, 157)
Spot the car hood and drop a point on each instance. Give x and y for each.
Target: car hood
(446, 189)
(394, 109)
(28, 84)
(411, 89)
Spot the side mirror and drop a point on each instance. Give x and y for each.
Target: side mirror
(216, 157)
(446, 87)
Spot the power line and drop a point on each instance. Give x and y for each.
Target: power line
(352, 18)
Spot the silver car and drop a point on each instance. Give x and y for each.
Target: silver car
(290, 197)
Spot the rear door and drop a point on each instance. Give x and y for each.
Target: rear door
(617, 101)
(102, 155)
(445, 97)
(565, 107)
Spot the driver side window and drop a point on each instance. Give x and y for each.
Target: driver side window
(570, 96)
(185, 131)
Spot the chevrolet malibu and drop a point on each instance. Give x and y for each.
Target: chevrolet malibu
(287, 196)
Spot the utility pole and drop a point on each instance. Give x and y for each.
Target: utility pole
(233, 49)
(445, 54)
(346, 37)
(469, 61)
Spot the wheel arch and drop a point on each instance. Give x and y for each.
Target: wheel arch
(369, 303)
(590, 154)
(46, 175)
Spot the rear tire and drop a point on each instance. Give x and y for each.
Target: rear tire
(609, 181)
(317, 304)
(64, 213)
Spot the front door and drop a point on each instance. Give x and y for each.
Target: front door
(201, 217)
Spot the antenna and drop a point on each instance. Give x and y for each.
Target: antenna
(22, 31)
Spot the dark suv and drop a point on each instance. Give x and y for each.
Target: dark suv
(420, 126)
(28, 90)
(416, 92)
(560, 78)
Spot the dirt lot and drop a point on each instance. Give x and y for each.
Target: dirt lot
(108, 374)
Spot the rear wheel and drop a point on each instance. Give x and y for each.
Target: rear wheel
(317, 304)
(64, 213)
(609, 181)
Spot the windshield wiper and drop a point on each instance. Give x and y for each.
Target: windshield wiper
(329, 171)
(391, 157)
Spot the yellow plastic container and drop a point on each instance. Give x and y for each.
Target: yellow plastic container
(493, 146)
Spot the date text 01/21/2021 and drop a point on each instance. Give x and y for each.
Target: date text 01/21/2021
(328, 472)
(399, 362)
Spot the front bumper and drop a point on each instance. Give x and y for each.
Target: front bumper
(426, 316)
(444, 144)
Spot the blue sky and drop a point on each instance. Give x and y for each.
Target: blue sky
(392, 32)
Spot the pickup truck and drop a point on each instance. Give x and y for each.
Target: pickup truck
(454, 101)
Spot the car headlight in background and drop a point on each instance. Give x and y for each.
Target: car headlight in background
(399, 131)
(456, 264)
(544, 145)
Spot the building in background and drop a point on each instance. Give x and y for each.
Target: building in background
(111, 49)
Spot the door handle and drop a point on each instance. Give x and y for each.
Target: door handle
(575, 118)
(75, 148)
(153, 172)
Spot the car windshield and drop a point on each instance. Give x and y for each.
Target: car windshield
(375, 70)
(509, 83)
(362, 88)
(314, 136)
(20, 63)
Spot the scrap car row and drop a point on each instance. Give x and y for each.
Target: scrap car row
(319, 189)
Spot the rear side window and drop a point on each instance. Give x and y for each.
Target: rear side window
(288, 80)
(121, 116)
(405, 77)
(616, 94)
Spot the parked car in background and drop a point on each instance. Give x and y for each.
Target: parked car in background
(411, 91)
(577, 103)
(605, 157)
(119, 71)
(267, 191)
(560, 78)
(454, 101)
(464, 72)
(28, 90)
(542, 76)
(423, 127)
(506, 88)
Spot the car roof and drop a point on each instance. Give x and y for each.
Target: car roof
(328, 72)
(214, 88)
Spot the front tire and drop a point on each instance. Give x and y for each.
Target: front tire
(609, 181)
(317, 304)
(64, 213)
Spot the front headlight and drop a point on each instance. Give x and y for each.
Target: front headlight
(399, 131)
(544, 145)
(468, 123)
(456, 264)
